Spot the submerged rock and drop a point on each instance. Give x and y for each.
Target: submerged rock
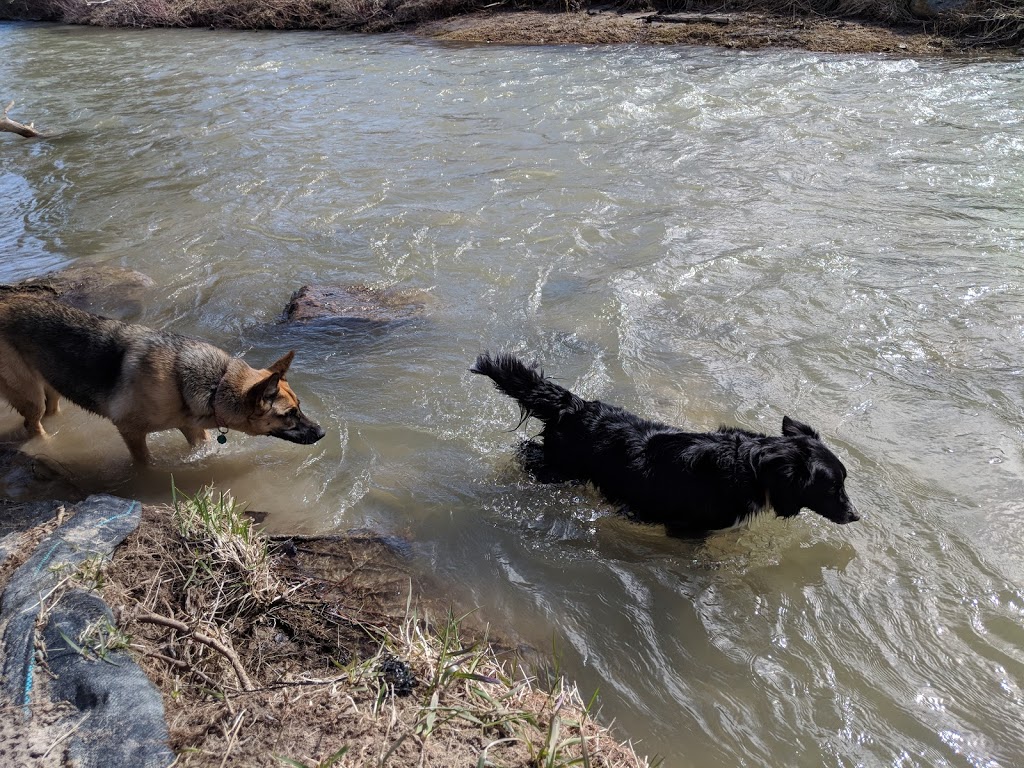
(354, 305)
(30, 478)
(107, 290)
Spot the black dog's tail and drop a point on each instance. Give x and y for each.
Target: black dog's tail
(537, 396)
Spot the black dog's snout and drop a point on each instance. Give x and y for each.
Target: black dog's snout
(849, 516)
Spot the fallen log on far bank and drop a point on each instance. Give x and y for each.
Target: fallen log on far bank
(6, 124)
(687, 18)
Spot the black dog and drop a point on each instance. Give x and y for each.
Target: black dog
(692, 482)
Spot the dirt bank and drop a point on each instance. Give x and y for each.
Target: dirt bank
(744, 31)
(344, 657)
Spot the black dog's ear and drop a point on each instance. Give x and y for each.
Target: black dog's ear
(794, 428)
(780, 462)
(782, 471)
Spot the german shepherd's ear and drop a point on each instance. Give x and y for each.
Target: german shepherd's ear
(794, 428)
(261, 396)
(282, 365)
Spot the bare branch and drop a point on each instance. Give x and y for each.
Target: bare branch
(6, 124)
(185, 630)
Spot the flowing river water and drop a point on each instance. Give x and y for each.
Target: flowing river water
(701, 236)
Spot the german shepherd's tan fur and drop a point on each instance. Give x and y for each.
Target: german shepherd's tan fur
(141, 379)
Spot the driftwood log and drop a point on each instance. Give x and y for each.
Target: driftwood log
(6, 124)
(687, 18)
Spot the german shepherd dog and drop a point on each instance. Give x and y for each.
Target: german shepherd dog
(692, 482)
(141, 379)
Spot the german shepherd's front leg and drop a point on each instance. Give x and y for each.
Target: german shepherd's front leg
(52, 400)
(194, 435)
(136, 442)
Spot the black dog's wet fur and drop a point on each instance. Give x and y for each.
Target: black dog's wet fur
(692, 482)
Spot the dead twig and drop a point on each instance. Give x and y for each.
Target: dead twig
(67, 733)
(12, 126)
(185, 666)
(231, 735)
(212, 642)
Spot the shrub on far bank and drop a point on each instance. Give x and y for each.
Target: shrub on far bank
(363, 15)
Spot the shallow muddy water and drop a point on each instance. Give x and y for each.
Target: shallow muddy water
(697, 235)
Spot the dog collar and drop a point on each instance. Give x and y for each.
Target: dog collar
(222, 436)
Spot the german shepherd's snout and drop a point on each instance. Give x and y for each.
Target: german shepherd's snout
(305, 432)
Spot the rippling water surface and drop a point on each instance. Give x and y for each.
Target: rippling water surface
(700, 236)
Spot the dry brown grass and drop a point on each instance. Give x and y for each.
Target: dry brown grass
(320, 656)
(987, 23)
